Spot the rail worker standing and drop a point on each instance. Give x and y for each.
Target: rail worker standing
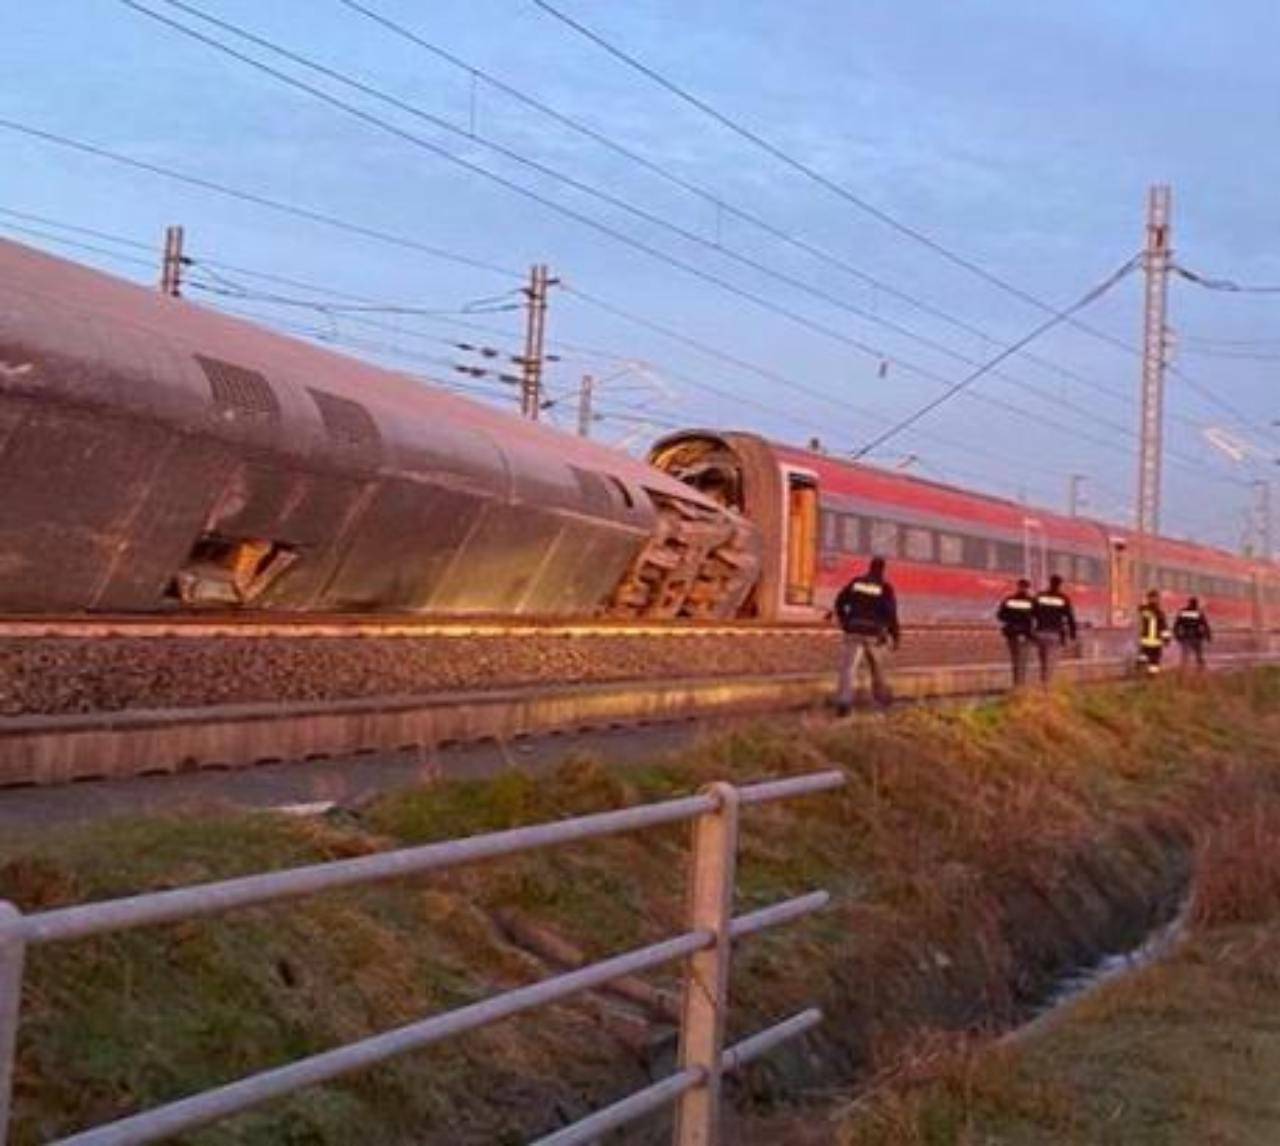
(1192, 632)
(1055, 624)
(867, 611)
(1153, 633)
(1017, 622)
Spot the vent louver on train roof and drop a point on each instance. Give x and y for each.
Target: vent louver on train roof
(239, 392)
(347, 422)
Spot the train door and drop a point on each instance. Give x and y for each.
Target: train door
(1121, 579)
(800, 513)
(1035, 553)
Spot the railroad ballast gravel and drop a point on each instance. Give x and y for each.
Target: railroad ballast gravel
(60, 675)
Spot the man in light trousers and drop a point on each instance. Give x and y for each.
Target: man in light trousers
(867, 611)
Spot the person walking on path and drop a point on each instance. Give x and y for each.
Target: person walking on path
(867, 612)
(1017, 617)
(1153, 634)
(1191, 631)
(1055, 624)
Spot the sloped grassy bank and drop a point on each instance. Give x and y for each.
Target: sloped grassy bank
(1182, 1052)
(975, 855)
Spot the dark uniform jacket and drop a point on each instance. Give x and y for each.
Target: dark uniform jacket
(1153, 628)
(1054, 615)
(1017, 615)
(868, 607)
(1192, 625)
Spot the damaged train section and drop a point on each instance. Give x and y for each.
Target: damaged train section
(155, 455)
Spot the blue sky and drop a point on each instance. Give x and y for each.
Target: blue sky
(1020, 135)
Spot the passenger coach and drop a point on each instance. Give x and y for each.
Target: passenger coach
(954, 553)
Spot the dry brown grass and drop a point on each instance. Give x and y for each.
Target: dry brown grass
(973, 854)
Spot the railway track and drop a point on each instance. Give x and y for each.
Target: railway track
(123, 696)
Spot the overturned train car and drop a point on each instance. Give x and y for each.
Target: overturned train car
(155, 455)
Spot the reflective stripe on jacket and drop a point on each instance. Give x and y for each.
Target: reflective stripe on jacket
(1017, 615)
(1153, 629)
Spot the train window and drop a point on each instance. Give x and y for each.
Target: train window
(977, 553)
(830, 525)
(852, 534)
(918, 544)
(884, 538)
(951, 549)
(1008, 557)
(1086, 571)
(1060, 563)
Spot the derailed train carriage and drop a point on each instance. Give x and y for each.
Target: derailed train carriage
(156, 455)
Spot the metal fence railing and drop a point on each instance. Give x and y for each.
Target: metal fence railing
(704, 947)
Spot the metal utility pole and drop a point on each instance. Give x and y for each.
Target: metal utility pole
(1073, 494)
(535, 328)
(171, 267)
(1156, 265)
(584, 405)
(1262, 512)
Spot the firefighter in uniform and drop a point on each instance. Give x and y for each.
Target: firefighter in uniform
(1055, 624)
(867, 611)
(1153, 633)
(1192, 632)
(1017, 622)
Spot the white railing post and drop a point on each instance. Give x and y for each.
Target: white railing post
(12, 952)
(706, 974)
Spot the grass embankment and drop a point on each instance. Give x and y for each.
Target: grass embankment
(974, 855)
(1185, 1052)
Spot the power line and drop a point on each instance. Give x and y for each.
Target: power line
(107, 236)
(667, 332)
(1063, 316)
(251, 197)
(606, 197)
(867, 207)
(778, 377)
(576, 216)
(715, 200)
(816, 176)
(1227, 285)
(256, 199)
(77, 244)
(332, 337)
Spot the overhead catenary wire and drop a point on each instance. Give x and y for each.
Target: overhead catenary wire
(1229, 286)
(495, 390)
(1062, 316)
(666, 331)
(257, 199)
(800, 319)
(813, 174)
(261, 200)
(332, 337)
(609, 198)
(77, 244)
(716, 200)
(780, 154)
